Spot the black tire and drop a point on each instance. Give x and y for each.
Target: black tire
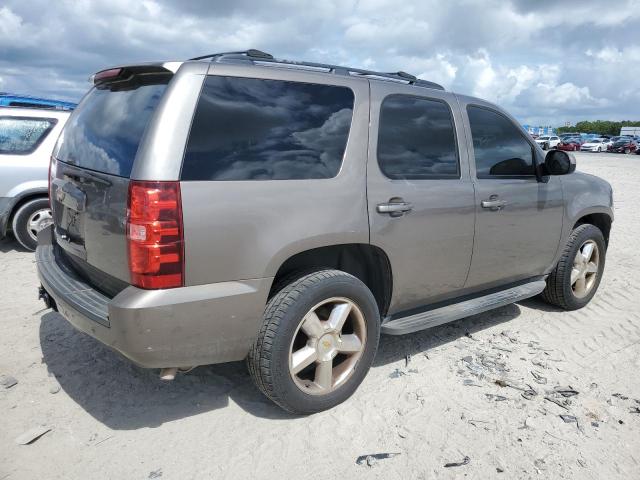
(268, 359)
(558, 291)
(21, 217)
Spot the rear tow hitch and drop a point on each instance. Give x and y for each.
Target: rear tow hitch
(170, 373)
(48, 300)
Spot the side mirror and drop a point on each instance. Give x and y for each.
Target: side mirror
(558, 162)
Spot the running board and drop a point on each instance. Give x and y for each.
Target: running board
(438, 316)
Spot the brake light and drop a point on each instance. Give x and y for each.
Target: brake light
(106, 75)
(155, 241)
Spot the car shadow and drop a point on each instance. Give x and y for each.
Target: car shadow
(9, 244)
(123, 396)
(394, 348)
(538, 303)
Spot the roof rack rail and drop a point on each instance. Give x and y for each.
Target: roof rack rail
(253, 53)
(260, 57)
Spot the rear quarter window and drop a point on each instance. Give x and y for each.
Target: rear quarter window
(22, 135)
(256, 129)
(104, 132)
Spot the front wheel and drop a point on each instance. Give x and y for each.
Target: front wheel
(627, 151)
(318, 340)
(29, 219)
(574, 281)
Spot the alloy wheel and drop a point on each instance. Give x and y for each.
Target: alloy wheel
(38, 220)
(327, 345)
(585, 269)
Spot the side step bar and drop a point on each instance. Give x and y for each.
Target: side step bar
(438, 316)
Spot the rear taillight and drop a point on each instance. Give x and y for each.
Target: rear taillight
(154, 235)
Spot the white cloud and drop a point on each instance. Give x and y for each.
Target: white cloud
(10, 25)
(533, 58)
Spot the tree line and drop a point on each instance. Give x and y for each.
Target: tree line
(601, 127)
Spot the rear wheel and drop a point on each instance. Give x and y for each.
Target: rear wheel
(29, 219)
(318, 340)
(574, 281)
(627, 150)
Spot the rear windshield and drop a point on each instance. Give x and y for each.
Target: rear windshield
(104, 132)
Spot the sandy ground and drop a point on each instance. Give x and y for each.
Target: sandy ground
(109, 419)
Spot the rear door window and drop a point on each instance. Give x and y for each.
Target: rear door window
(22, 135)
(104, 132)
(256, 129)
(499, 146)
(416, 139)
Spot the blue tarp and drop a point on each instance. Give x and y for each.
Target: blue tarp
(13, 100)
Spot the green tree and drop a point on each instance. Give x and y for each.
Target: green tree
(601, 127)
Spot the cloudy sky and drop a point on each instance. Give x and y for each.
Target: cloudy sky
(546, 61)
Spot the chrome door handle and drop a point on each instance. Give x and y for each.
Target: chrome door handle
(493, 204)
(395, 209)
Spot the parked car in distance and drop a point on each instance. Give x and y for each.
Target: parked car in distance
(606, 143)
(27, 138)
(594, 145)
(612, 140)
(548, 141)
(299, 210)
(624, 145)
(570, 144)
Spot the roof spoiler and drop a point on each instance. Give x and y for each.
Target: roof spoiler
(125, 73)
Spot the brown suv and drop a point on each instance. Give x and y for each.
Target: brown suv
(237, 206)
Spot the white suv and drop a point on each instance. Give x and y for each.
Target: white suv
(548, 141)
(27, 138)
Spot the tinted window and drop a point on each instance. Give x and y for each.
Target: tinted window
(499, 146)
(416, 139)
(21, 135)
(253, 129)
(104, 132)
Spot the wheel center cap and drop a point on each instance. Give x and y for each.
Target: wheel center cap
(326, 347)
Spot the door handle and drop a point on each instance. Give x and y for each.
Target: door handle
(394, 208)
(493, 203)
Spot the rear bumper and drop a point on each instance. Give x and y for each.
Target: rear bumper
(185, 326)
